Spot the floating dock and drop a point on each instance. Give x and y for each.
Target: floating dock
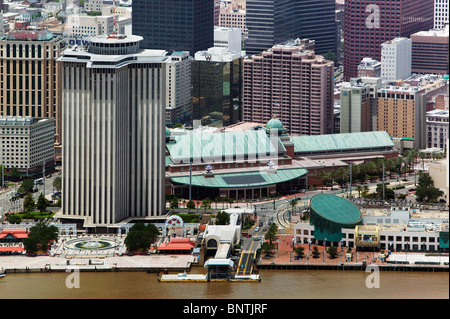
(184, 277)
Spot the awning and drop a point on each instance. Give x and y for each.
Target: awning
(219, 262)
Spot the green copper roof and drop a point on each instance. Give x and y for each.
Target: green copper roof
(217, 147)
(274, 124)
(335, 209)
(345, 141)
(244, 179)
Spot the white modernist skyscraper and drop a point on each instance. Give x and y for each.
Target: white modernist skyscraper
(113, 112)
(396, 59)
(440, 13)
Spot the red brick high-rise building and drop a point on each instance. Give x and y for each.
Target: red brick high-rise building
(368, 23)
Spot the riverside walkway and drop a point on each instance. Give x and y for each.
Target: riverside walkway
(284, 257)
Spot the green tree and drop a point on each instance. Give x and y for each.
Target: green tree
(388, 192)
(293, 203)
(190, 205)
(27, 185)
(39, 237)
(174, 203)
(271, 234)
(206, 204)
(222, 218)
(28, 203)
(331, 56)
(14, 219)
(42, 203)
(299, 251)
(266, 247)
(426, 191)
(15, 173)
(332, 251)
(315, 252)
(141, 236)
(57, 183)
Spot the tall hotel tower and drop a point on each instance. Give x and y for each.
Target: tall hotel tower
(113, 117)
(369, 23)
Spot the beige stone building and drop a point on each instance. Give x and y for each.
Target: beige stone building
(29, 77)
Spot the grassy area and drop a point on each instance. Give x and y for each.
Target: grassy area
(36, 215)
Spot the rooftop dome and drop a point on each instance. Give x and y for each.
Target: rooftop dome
(274, 124)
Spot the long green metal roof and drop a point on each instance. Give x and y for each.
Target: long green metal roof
(335, 209)
(242, 179)
(344, 141)
(214, 147)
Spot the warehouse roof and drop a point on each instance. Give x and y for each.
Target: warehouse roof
(214, 147)
(345, 141)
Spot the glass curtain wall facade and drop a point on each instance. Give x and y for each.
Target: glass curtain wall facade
(217, 92)
(174, 25)
(271, 22)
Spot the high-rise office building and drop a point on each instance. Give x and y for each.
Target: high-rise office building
(369, 23)
(179, 88)
(358, 108)
(430, 51)
(290, 82)
(30, 77)
(217, 86)
(441, 13)
(271, 22)
(396, 59)
(113, 116)
(174, 25)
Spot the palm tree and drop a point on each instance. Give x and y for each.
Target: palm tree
(293, 203)
(359, 189)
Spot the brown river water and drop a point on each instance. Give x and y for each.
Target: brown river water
(275, 284)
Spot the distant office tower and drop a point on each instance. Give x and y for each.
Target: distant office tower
(290, 82)
(174, 25)
(430, 51)
(271, 22)
(396, 59)
(233, 15)
(179, 88)
(368, 23)
(441, 13)
(30, 77)
(217, 87)
(113, 119)
(369, 68)
(358, 112)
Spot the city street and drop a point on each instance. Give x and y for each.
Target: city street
(6, 205)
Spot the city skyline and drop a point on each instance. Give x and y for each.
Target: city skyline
(299, 147)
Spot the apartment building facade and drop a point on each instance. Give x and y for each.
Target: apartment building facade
(290, 82)
(27, 143)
